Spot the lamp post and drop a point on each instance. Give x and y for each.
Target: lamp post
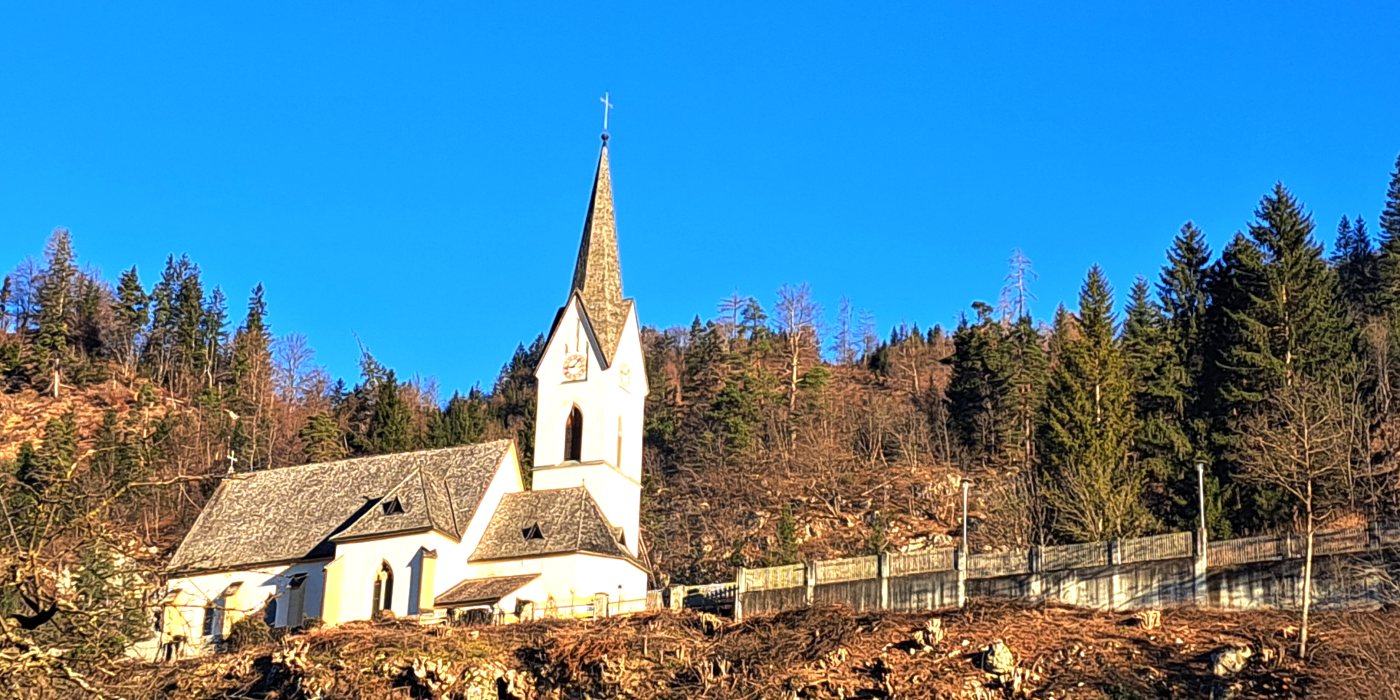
(966, 484)
(1201, 495)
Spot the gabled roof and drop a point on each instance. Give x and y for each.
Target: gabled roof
(569, 519)
(598, 271)
(293, 513)
(422, 503)
(482, 591)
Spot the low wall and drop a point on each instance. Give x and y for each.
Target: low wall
(1352, 566)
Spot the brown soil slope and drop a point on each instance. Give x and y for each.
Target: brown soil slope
(817, 653)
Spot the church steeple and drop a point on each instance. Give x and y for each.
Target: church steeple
(598, 272)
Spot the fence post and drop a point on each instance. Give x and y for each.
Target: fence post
(960, 565)
(1036, 585)
(1200, 590)
(882, 570)
(740, 586)
(809, 578)
(1115, 581)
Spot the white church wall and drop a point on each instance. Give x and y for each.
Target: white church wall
(359, 562)
(571, 579)
(185, 617)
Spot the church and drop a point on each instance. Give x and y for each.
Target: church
(434, 534)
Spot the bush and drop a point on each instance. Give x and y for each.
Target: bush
(249, 631)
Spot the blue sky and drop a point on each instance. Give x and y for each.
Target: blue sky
(415, 174)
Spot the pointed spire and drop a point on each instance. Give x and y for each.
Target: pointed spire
(598, 273)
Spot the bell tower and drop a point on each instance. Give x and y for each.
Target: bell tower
(592, 378)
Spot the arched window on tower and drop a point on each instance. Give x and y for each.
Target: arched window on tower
(618, 463)
(573, 436)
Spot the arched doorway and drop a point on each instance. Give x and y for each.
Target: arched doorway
(383, 590)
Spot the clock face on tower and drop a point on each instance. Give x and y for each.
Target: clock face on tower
(575, 367)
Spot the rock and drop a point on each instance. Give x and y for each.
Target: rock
(930, 635)
(1148, 619)
(998, 659)
(1227, 661)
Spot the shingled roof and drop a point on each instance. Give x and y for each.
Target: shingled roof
(479, 591)
(598, 272)
(555, 521)
(294, 513)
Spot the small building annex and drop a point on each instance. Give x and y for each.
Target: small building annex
(421, 534)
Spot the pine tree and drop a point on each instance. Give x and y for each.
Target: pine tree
(251, 374)
(1025, 371)
(114, 457)
(1358, 268)
(391, 424)
(1092, 490)
(131, 312)
(1390, 244)
(322, 439)
(462, 422)
(977, 391)
(54, 299)
(1277, 317)
(213, 336)
(1183, 291)
(514, 397)
(1160, 443)
(786, 550)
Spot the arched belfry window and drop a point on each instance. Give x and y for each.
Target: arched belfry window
(383, 589)
(573, 436)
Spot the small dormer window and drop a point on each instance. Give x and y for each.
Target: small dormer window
(533, 532)
(392, 507)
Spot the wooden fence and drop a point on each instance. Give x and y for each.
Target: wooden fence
(1168, 569)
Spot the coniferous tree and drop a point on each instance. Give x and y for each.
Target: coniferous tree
(131, 312)
(54, 302)
(462, 422)
(978, 388)
(1358, 268)
(391, 424)
(1092, 489)
(1280, 318)
(1160, 442)
(515, 395)
(1025, 368)
(321, 439)
(1184, 290)
(1389, 267)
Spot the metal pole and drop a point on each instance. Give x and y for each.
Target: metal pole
(1201, 494)
(965, 486)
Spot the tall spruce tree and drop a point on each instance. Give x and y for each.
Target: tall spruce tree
(1161, 443)
(1358, 269)
(1025, 369)
(977, 389)
(1277, 316)
(391, 424)
(1092, 488)
(1184, 290)
(131, 313)
(1389, 267)
(54, 301)
(462, 422)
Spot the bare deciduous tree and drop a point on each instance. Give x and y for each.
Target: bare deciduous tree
(1298, 444)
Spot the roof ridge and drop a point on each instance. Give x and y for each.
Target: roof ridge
(367, 458)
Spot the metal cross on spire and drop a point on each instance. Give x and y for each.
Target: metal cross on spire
(607, 105)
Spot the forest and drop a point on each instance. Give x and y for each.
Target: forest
(1268, 362)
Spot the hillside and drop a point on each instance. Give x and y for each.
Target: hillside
(815, 653)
